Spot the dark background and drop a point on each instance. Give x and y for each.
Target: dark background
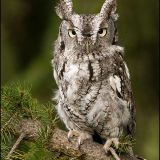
(29, 28)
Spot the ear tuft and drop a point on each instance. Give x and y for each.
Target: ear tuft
(108, 9)
(65, 9)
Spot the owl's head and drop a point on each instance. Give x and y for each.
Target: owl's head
(87, 32)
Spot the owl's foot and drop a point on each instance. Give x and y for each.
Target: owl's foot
(72, 133)
(82, 136)
(109, 142)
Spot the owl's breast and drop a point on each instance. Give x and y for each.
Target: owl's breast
(82, 80)
(75, 71)
(75, 78)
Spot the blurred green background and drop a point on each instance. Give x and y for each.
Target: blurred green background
(28, 31)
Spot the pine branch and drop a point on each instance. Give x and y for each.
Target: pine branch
(89, 150)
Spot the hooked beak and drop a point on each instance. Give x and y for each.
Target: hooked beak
(87, 34)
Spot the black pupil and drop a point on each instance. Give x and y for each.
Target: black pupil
(100, 31)
(73, 32)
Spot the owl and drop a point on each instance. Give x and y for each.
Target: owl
(94, 94)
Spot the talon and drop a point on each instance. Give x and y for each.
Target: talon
(69, 140)
(78, 145)
(79, 142)
(69, 136)
(83, 136)
(109, 143)
(72, 133)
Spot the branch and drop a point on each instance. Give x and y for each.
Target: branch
(60, 145)
(88, 151)
(27, 129)
(20, 138)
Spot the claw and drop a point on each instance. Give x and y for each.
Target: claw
(82, 136)
(109, 143)
(71, 134)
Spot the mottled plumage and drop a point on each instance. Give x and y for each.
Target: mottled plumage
(94, 89)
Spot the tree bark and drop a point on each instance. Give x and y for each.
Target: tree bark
(88, 151)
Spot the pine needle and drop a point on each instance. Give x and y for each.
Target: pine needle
(23, 115)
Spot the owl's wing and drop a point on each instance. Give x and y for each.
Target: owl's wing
(55, 71)
(131, 127)
(55, 76)
(123, 88)
(58, 62)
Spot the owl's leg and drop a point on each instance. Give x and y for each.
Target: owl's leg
(82, 136)
(109, 142)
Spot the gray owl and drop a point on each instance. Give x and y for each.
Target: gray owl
(94, 90)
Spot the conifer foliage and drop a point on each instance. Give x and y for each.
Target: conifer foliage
(26, 125)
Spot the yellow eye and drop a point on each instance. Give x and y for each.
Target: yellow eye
(102, 32)
(72, 33)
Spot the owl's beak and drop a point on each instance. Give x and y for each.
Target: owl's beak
(87, 34)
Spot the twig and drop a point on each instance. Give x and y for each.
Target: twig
(27, 128)
(114, 154)
(20, 138)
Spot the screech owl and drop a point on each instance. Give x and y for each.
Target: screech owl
(94, 89)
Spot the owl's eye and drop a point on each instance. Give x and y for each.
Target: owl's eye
(72, 33)
(102, 32)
